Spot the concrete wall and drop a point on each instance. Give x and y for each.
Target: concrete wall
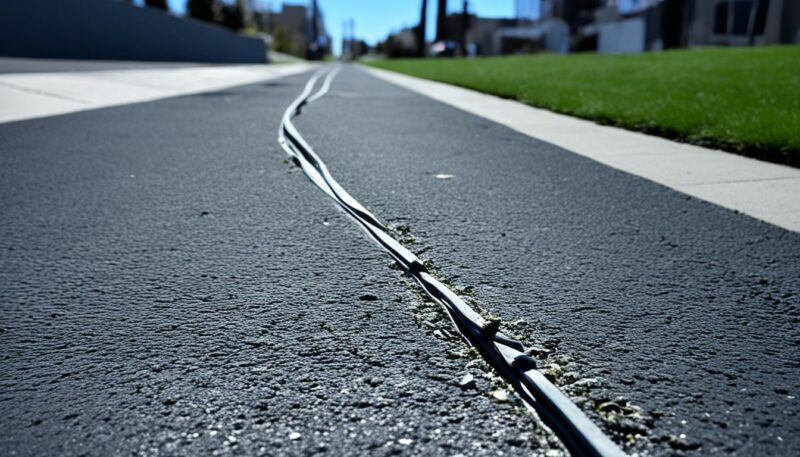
(109, 30)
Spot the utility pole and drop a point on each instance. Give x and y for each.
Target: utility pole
(353, 50)
(247, 12)
(423, 19)
(441, 21)
(345, 42)
(312, 46)
(348, 39)
(464, 27)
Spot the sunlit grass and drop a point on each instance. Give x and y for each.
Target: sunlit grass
(744, 100)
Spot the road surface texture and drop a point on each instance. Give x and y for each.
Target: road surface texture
(688, 310)
(169, 284)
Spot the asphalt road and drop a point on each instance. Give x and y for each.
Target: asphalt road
(169, 284)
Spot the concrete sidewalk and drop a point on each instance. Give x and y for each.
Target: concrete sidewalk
(33, 95)
(762, 190)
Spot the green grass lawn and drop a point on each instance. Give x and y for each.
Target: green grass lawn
(743, 100)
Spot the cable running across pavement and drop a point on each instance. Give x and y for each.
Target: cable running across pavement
(507, 356)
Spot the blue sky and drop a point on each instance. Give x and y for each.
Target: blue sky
(374, 19)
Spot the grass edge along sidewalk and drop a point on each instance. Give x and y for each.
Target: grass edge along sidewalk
(741, 100)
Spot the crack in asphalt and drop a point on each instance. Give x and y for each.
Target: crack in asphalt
(623, 420)
(506, 355)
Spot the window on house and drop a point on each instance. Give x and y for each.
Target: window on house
(736, 15)
(761, 17)
(741, 17)
(721, 18)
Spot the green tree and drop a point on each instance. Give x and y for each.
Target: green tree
(232, 17)
(204, 10)
(281, 41)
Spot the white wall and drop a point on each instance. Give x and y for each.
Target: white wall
(622, 36)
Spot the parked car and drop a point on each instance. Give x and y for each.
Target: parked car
(444, 48)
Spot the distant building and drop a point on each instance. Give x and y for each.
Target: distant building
(402, 43)
(288, 29)
(651, 25)
(621, 26)
(543, 25)
(550, 34)
(297, 30)
(741, 22)
(636, 30)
